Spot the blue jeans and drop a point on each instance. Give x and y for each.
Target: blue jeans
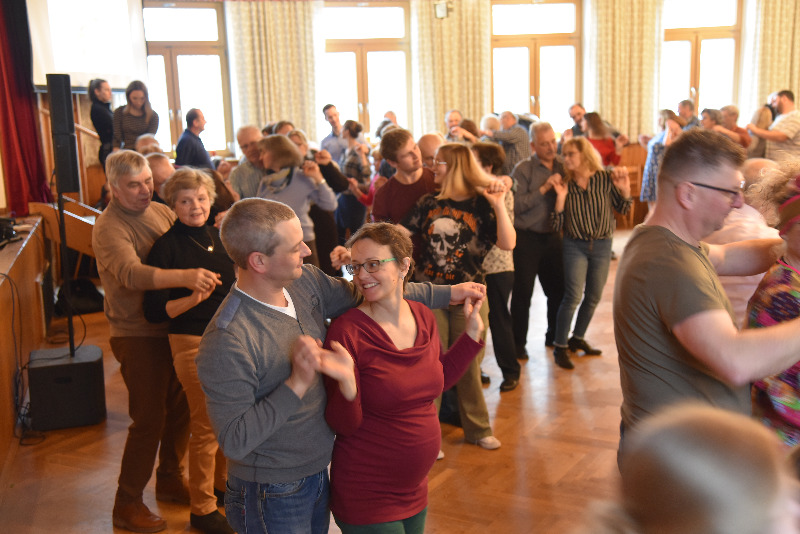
(586, 265)
(299, 507)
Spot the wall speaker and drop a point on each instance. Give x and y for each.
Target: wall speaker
(66, 392)
(62, 125)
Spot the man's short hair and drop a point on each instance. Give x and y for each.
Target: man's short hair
(124, 163)
(694, 151)
(731, 110)
(147, 143)
(536, 127)
(392, 141)
(245, 128)
(787, 93)
(249, 226)
(187, 178)
(191, 116)
(687, 104)
(452, 111)
(156, 156)
(713, 114)
(490, 121)
(577, 104)
(327, 107)
(280, 125)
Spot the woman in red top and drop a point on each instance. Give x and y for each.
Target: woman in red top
(597, 133)
(388, 437)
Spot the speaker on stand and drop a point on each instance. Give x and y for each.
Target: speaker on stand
(66, 389)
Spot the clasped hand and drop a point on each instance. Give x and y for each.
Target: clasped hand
(308, 358)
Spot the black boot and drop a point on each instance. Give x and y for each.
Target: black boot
(213, 523)
(577, 343)
(562, 358)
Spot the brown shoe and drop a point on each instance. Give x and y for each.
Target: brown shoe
(172, 489)
(136, 517)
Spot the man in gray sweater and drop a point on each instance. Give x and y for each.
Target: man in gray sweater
(265, 398)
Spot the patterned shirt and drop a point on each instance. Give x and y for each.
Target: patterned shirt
(516, 144)
(655, 153)
(789, 150)
(777, 300)
(457, 237)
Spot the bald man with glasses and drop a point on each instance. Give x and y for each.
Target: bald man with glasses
(675, 329)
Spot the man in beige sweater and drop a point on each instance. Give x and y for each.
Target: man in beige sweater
(122, 238)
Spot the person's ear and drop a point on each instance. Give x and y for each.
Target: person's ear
(257, 262)
(405, 266)
(686, 194)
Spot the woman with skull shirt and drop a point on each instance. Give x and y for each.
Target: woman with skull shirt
(458, 226)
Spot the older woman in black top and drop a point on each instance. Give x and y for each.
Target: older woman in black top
(583, 210)
(102, 118)
(192, 243)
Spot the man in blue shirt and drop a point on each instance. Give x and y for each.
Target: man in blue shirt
(190, 149)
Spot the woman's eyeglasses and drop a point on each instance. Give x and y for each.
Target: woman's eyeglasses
(371, 266)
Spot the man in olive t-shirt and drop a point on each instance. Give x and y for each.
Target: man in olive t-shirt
(676, 336)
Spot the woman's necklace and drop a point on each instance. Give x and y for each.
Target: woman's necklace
(209, 248)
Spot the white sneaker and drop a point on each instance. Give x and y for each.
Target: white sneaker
(489, 443)
(441, 455)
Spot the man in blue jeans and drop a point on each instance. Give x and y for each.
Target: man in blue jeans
(265, 395)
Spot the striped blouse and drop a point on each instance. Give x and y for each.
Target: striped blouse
(128, 127)
(587, 212)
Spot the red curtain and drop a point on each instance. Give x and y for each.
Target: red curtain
(23, 164)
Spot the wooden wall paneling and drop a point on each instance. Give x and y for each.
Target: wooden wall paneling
(22, 326)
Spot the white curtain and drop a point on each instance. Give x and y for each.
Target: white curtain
(272, 59)
(775, 52)
(622, 55)
(451, 62)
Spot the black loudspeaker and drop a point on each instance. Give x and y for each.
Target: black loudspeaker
(62, 125)
(66, 392)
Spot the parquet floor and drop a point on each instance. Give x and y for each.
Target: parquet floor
(559, 431)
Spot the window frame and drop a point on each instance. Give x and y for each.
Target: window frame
(695, 37)
(170, 50)
(534, 42)
(360, 47)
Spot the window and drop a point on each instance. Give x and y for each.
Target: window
(536, 58)
(365, 71)
(700, 53)
(188, 68)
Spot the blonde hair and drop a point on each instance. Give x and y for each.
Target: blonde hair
(300, 134)
(589, 156)
(284, 152)
(778, 184)
(187, 178)
(249, 226)
(464, 175)
(124, 163)
(694, 469)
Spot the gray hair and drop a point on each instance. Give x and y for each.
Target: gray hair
(124, 163)
(536, 127)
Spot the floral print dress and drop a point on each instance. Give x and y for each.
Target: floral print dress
(776, 399)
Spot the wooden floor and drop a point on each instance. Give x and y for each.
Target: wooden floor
(559, 431)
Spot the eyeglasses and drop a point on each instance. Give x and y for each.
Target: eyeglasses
(371, 266)
(734, 193)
